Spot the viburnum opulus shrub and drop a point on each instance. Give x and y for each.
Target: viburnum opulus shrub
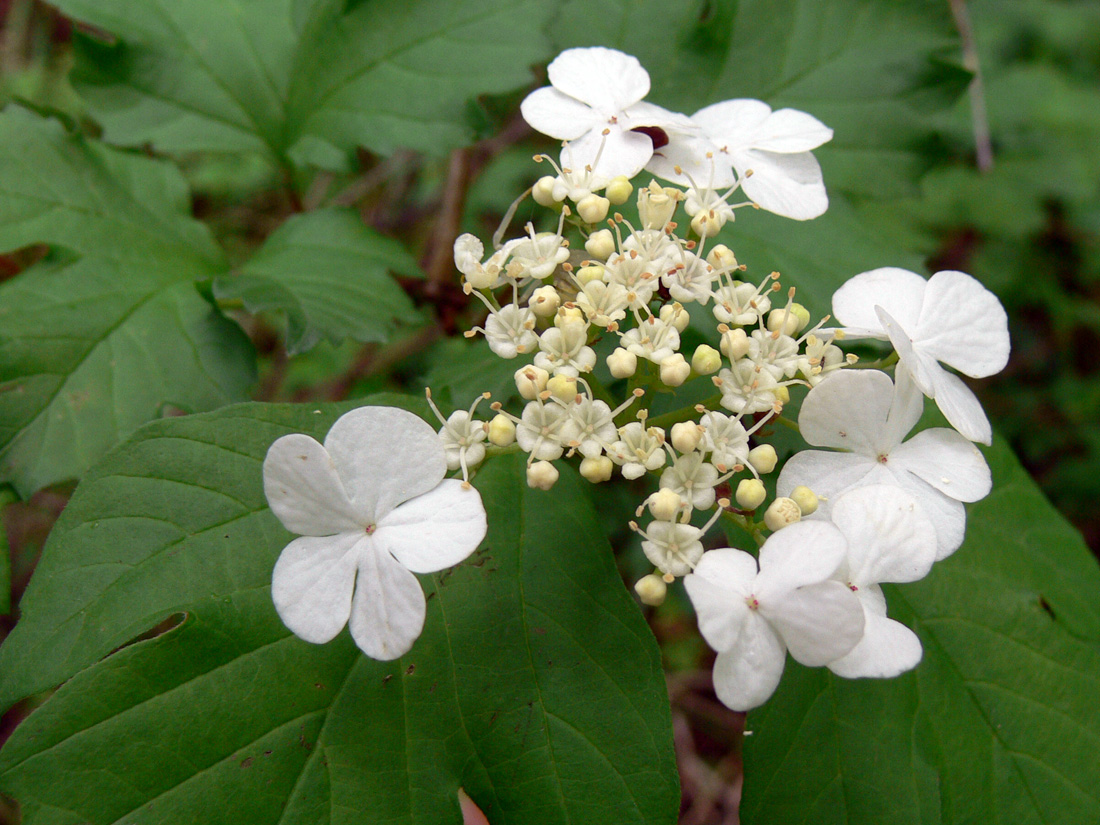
(405, 607)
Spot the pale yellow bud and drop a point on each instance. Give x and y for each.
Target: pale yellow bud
(675, 315)
(706, 360)
(780, 513)
(675, 370)
(563, 387)
(706, 224)
(502, 431)
(593, 208)
(665, 504)
(588, 274)
(543, 191)
(651, 590)
(600, 245)
(722, 257)
(686, 436)
(783, 322)
(568, 315)
(619, 190)
(782, 394)
(763, 458)
(530, 381)
(734, 344)
(544, 301)
(750, 493)
(656, 205)
(597, 469)
(542, 475)
(802, 314)
(622, 363)
(805, 499)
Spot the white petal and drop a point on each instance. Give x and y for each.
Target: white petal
(789, 131)
(733, 124)
(435, 530)
(387, 613)
(890, 539)
(807, 552)
(745, 677)
(948, 462)
(313, 581)
(921, 368)
(963, 325)
(819, 622)
(849, 411)
(961, 407)
(622, 152)
(827, 474)
(788, 185)
(906, 409)
(947, 515)
(549, 111)
(303, 489)
(898, 291)
(718, 588)
(384, 456)
(690, 154)
(887, 648)
(605, 79)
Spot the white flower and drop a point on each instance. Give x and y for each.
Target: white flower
(747, 388)
(595, 101)
(950, 318)
(693, 479)
(468, 251)
(753, 618)
(727, 440)
(747, 136)
(889, 540)
(371, 507)
(638, 449)
(564, 350)
(859, 411)
(652, 339)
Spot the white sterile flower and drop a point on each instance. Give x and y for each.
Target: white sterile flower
(594, 101)
(371, 508)
(564, 351)
(747, 388)
(889, 540)
(692, 478)
(747, 136)
(752, 618)
(726, 439)
(539, 431)
(950, 318)
(689, 279)
(603, 303)
(638, 449)
(861, 411)
(652, 339)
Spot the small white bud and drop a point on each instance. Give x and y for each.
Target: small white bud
(543, 191)
(619, 190)
(675, 315)
(805, 499)
(780, 513)
(588, 274)
(542, 475)
(593, 208)
(563, 387)
(568, 315)
(686, 436)
(706, 360)
(675, 370)
(722, 257)
(622, 363)
(734, 344)
(665, 504)
(707, 224)
(597, 469)
(600, 245)
(502, 431)
(750, 493)
(763, 458)
(651, 589)
(544, 301)
(530, 381)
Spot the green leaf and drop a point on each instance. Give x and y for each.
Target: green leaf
(536, 685)
(997, 724)
(93, 346)
(872, 71)
(6, 498)
(307, 81)
(330, 274)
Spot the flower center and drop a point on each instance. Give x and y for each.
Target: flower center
(370, 528)
(752, 602)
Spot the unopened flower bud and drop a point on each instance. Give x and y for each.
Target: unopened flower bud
(544, 301)
(651, 589)
(543, 191)
(734, 344)
(750, 493)
(665, 504)
(597, 469)
(763, 458)
(782, 321)
(675, 370)
(568, 315)
(675, 315)
(593, 208)
(590, 273)
(622, 363)
(706, 360)
(780, 513)
(686, 436)
(805, 499)
(782, 394)
(656, 205)
(502, 431)
(600, 245)
(619, 190)
(542, 475)
(530, 381)
(721, 257)
(563, 387)
(706, 224)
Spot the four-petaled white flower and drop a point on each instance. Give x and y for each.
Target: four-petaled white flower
(950, 318)
(753, 617)
(371, 508)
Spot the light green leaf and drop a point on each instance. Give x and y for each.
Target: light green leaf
(536, 685)
(997, 724)
(91, 347)
(307, 81)
(330, 274)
